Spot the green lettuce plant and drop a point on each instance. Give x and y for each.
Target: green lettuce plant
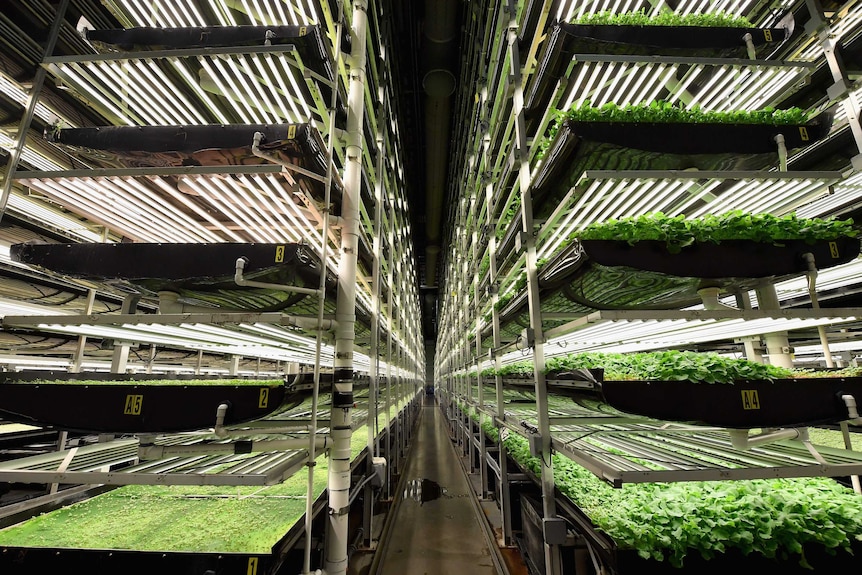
(775, 518)
(661, 111)
(680, 231)
(670, 365)
(664, 18)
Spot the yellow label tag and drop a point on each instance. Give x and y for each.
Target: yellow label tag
(279, 254)
(134, 403)
(803, 133)
(750, 399)
(833, 249)
(263, 400)
(252, 566)
(767, 34)
(303, 30)
(291, 131)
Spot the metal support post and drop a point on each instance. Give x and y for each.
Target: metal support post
(30, 109)
(120, 357)
(553, 564)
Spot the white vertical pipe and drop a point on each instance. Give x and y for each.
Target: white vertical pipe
(345, 334)
(777, 343)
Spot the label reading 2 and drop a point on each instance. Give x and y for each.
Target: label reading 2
(134, 403)
(750, 399)
(263, 400)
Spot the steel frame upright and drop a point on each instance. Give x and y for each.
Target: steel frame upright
(534, 335)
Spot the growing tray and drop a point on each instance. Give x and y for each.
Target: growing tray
(615, 274)
(565, 40)
(199, 273)
(747, 404)
(265, 539)
(589, 145)
(204, 145)
(129, 404)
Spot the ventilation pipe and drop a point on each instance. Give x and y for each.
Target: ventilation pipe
(439, 53)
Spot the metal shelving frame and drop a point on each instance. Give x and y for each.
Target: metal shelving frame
(387, 293)
(494, 252)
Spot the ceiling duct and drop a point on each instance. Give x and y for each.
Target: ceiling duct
(439, 57)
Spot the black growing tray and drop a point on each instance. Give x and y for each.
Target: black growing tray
(203, 145)
(135, 403)
(203, 273)
(136, 407)
(565, 40)
(745, 404)
(728, 258)
(27, 560)
(614, 274)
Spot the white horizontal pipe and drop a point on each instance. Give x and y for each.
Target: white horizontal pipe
(740, 439)
(151, 452)
(240, 280)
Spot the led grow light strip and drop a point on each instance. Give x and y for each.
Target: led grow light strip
(572, 9)
(204, 96)
(88, 87)
(642, 335)
(136, 202)
(50, 217)
(145, 88)
(241, 340)
(188, 338)
(115, 207)
(829, 279)
(29, 155)
(96, 203)
(838, 29)
(145, 13)
(724, 90)
(15, 92)
(841, 194)
(214, 192)
(259, 207)
(177, 100)
(205, 215)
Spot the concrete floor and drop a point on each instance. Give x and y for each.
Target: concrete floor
(435, 525)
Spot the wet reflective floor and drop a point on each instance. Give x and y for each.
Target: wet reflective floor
(435, 529)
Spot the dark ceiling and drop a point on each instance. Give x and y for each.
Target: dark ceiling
(428, 35)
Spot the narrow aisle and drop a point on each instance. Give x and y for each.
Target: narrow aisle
(435, 529)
